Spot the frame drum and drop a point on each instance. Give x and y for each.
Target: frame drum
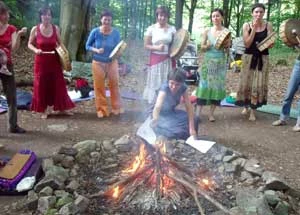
(179, 43)
(118, 50)
(64, 57)
(222, 38)
(267, 41)
(289, 31)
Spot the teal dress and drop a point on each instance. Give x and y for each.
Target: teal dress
(211, 89)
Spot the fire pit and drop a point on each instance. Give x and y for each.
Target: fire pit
(127, 176)
(160, 179)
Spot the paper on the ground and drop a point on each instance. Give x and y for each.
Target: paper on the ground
(146, 132)
(201, 145)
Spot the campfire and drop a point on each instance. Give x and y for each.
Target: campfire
(154, 177)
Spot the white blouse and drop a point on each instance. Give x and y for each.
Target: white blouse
(161, 36)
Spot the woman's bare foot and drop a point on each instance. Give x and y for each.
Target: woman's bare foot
(252, 116)
(211, 118)
(44, 116)
(245, 111)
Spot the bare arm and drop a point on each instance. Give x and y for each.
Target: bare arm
(58, 35)
(31, 41)
(157, 107)
(149, 46)
(190, 112)
(248, 38)
(16, 37)
(205, 44)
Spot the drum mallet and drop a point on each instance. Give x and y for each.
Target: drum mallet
(50, 52)
(294, 32)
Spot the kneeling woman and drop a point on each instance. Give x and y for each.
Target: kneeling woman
(168, 121)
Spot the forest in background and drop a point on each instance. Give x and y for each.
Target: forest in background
(77, 17)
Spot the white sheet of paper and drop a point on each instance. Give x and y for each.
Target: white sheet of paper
(146, 132)
(201, 145)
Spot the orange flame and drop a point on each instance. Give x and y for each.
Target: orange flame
(164, 149)
(205, 181)
(116, 192)
(138, 162)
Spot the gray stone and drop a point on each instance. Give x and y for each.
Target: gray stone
(108, 145)
(240, 162)
(124, 140)
(230, 168)
(62, 193)
(32, 200)
(63, 201)
(252, 202)
(271, 197)
(69, 209)
(219, 213)
(57, 172)
(72, 186)
(71, 151)
(229, 158)
(51, 211)
(218, 157)
(73, 172)
(58, 158)
(274, 182)
(68, 162)
(51, 182)
(86, 146)
(82, 203)
(45, 203)
(282, 208)
(253, 166)
(245, 176)
(46, 191)
(95, 155)
(47, 163)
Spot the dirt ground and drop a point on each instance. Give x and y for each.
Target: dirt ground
(277, 148)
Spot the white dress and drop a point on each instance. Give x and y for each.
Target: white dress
(157, 73)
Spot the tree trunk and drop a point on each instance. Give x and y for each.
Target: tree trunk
(226, 13)
(191, 10)
(179, 12)
(73, 21)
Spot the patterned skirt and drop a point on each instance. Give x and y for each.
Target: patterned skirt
(157, 74)
(211, 89)
(253, 84)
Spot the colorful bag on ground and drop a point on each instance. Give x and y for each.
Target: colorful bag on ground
(15, 169)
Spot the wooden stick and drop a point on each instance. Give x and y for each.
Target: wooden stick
(129, 196)
(201, 211)
(178, 166)
(158, 174)
(50, 52)
(206, 196)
